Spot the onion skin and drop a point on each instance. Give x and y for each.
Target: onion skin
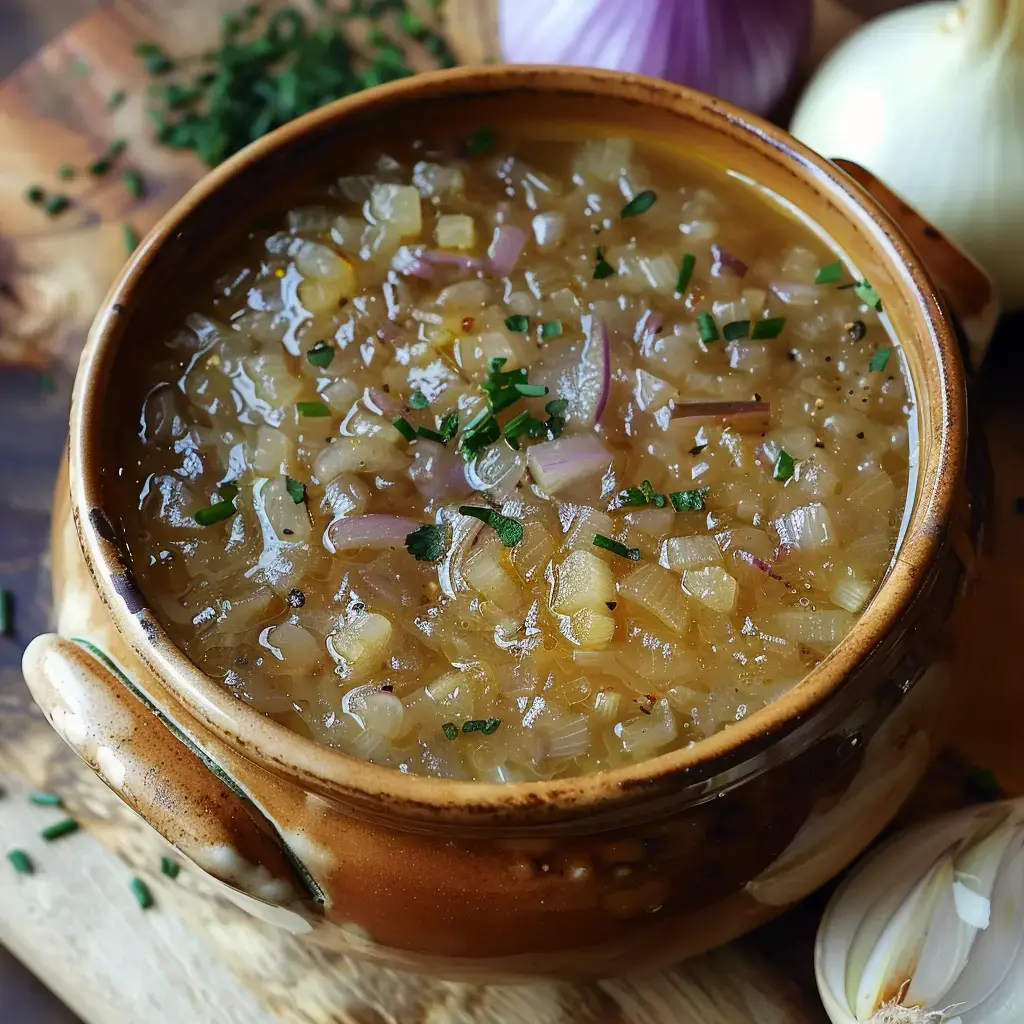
(744, 416)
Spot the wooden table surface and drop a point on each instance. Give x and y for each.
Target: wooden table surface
(32, 410)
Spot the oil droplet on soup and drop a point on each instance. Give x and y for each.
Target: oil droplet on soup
(519, 460)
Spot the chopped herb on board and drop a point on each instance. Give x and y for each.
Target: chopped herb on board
(829, 274)
(600, 541)
(21, 862)
(880, 360)
(640, 203)
(169, 867)
(141, 892)
(784, 466)
(59, 828)
(427, 544)
(509, 530)
(686, 269)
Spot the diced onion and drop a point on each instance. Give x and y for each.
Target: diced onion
(712, 586)
(506, 248)
(821, 631)
(851, 593)
(359, 455)
(360, 644)
(582, 581)
(680, 553)
(399, 207)
(548, 229)
(497, 471)
(561, 465)
(568, 737)
(455, 231)
(807, 528)
(484, 572)
(586, 524)
(657, 591)
(646, 734)
(592, 630)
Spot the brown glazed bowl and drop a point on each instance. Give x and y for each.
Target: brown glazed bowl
(596, 875)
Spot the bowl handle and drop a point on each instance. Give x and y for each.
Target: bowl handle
(179, 788)
(965, 285)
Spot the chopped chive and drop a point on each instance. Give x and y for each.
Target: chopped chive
(215, 513)
(689, 501)
(116, 99)
(427, 544)
(133, 183)
(228, 490)
(509, 530)
(829, 274)
(41, 798)
(141, 892)
(417, 400)
(6, 613)
(412, 25)
(65, 172)
(321, 355)
(868, 295)
(531, 390)
(686, 269)
(156, 61)
(312, 409)
(450, 730)
(450, 424)
(169, 867)
(707, 327)
(640, 203)
(117, 147)
(478, 435)
(602, 268)
(481, 142)
(518, 323)
(557, 407)
(735, 330)
(98, 167)
(405, 428)
(600, 541)
(296, 490)
(64, 827)
(130, 239)
(632, 496)
(519, 425)
(490, 726)
(21, 862)
(769, 328)
(551, 329)
(56, 204)
(879, 360)
(430, 435)
(784, 465)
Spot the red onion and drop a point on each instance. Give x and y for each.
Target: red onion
(438, 473)
(648, 327)
(410, 263)
(423, 263)
(741, 415)
(725, 259)
(371, 531)
(381, 403)
(506, 248)
(758, 563)
(567, 461)
(593, 376)
(742, 50)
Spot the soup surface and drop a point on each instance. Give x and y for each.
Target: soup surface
(512, 460)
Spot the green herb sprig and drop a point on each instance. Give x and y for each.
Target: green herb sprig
(427, 544)
(616, 548)
(509, 530)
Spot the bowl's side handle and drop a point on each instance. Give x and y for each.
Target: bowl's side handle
(966, 287)
(165, 777)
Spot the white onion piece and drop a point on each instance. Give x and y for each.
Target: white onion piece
(497, 471)
(593, 375)
(568, 737)
(505, 249)
(793, 294)
(560, 465)
(742, 416)
(807, 528)
(374, 531)
(439, 473)
(464, 530)
(972, 908)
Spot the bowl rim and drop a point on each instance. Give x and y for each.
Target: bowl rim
(327, 770)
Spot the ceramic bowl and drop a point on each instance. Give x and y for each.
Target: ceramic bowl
(596, 875)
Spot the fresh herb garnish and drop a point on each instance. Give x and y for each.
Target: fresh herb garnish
(156, 61)
(761, 330)
(116, 99)
(98, 167)
(829, 274)
(405, 428)
(35, 195)
(602, 268)
(735, 330)
(417, 400)
(484, 725)
(65, 172)
(296, 490)
(312, 409)
(689, 501)
(427, 544)
(707, 327)
(633, 554)
(430, 435)
(169, 867)
(868, 295)
(56, 204)
(640, 203)
(481, 431)
(133, 183)
(228, 490)
(59, 829)
(551, 329)
(556, 411)
(784, 466)
(524, 423)
(481, 142)
(450, 730)
(449, 425)
(645, 494)
(686, 269)
(21, 862)
(321, 354)
(879, 360)
(130, 238)
(215, 513)
(41, 798)
(509, 530)
(518, 323)
(141, 892)
(500, 384)
(531, 390)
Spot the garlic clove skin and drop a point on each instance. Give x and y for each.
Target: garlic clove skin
(893, 947)
(929, 100)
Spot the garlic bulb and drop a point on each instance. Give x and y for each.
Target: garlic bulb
(930, 100)
(930, 928)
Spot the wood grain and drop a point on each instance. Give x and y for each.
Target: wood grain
(196, 958)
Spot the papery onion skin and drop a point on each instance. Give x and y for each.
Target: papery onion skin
(744, 51)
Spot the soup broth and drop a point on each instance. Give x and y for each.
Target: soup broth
(508, 459)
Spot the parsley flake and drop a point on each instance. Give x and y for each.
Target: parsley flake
(640, 203)
(509, 530)
(321, 354)
(551, 329)
(633, 554)
(829, 274)
(879, 360)
(784, 466)
(295, 489)
(427, 544)
(689, 501)
(518, 323)
(602, 268)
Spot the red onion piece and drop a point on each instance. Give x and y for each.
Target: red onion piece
(648, 326)
(381, 403)
(742, 50)
(410, 263)
(497, 471)
(567, 461)
(741, 415)
(725, 259)
(593, 376)
(440, 258)
(506, 248)
(758, 563)
(373, 531)
(438, 472)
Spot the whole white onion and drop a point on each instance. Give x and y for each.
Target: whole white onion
(744, 51)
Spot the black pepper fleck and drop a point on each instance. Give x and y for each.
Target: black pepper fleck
(611, 604)
(117, 307)
(818, 443)
(296, 598)
(860, 436)
(855, 330)
(287, 532)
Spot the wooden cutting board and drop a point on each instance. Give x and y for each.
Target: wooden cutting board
(195, 959)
